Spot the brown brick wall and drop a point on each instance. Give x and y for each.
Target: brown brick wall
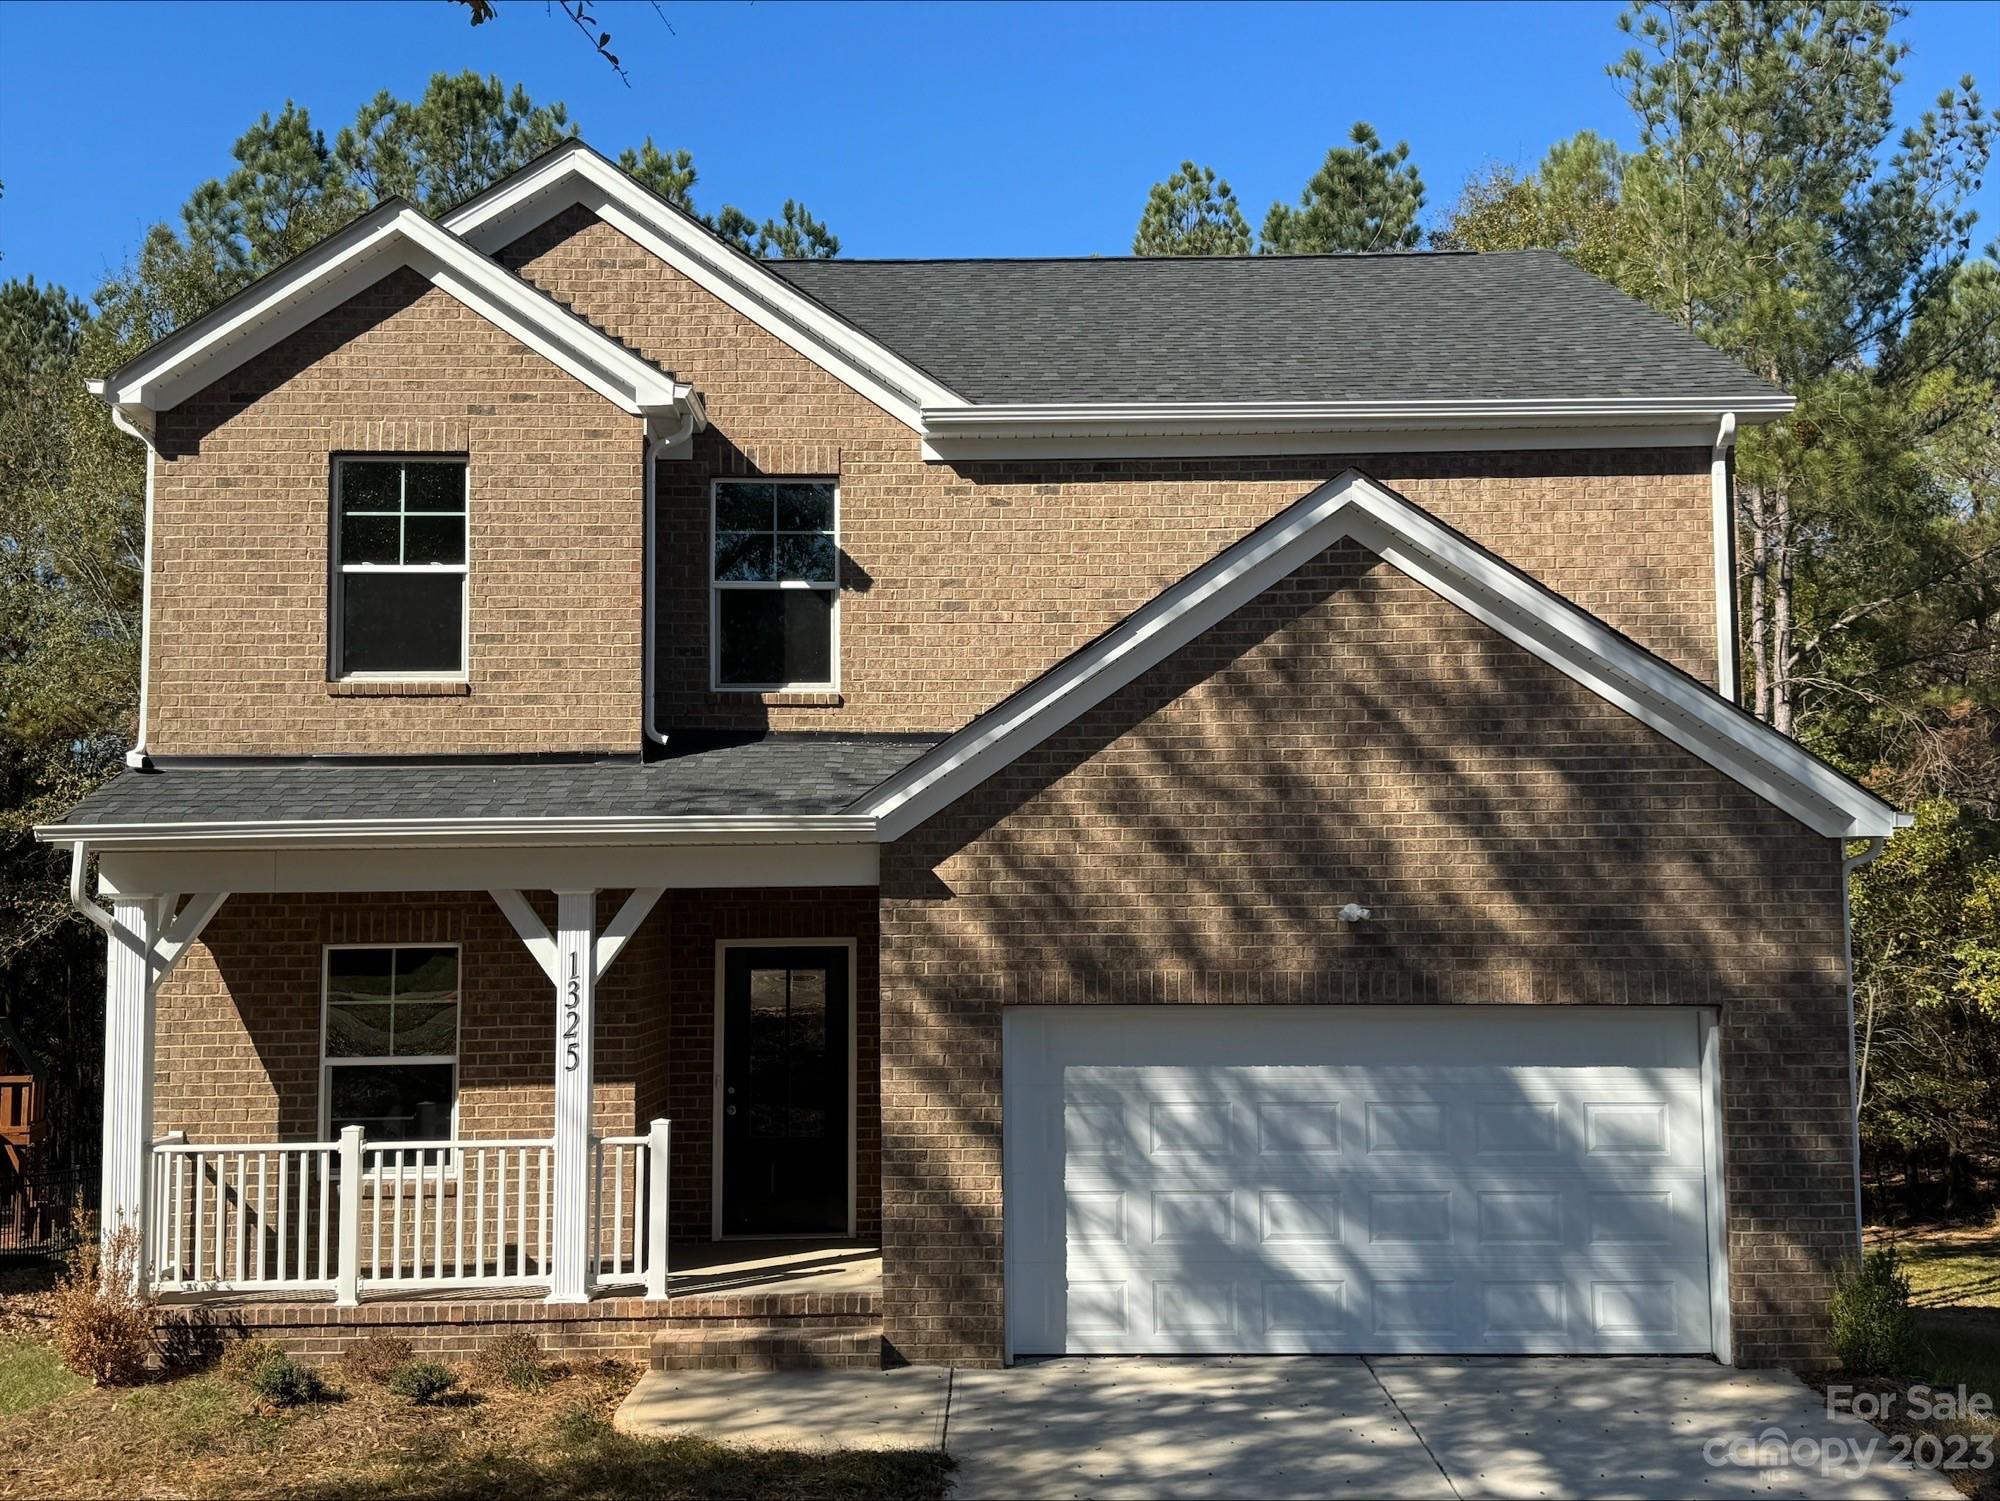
(238, 1028)
(241, 540)
(962, 581)
(1350, 736)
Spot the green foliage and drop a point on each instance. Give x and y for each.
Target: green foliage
(424, 1382)
(1928, 1008)
(1570, 204)
(1364, 197)
(1192, 213)
(285, 1382)
(794, 235)
(1874, 1331)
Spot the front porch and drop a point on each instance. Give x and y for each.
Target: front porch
(444, 1102)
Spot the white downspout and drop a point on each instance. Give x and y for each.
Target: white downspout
(1848, 866)
(1722, 524)
(136, 757)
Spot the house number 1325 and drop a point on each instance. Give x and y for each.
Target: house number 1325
(572, 1026)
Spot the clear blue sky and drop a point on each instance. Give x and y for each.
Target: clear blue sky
(913, 130)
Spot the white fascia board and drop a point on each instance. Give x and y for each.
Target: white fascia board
(463, 833)
(1569, 639)
(1093, 429)
(305, 290)
(577, 175)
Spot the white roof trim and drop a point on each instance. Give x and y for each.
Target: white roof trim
(467, 833)
(1091, 429)
(394, 236)
(575, 174)
(1569, 639)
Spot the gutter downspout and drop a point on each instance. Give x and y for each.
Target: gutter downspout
(79, 864)
(136, 758)
(649, 606)
(1722, 512)
(1848, 865)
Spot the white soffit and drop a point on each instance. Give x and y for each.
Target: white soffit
(393, 236)
(1569, 639)
(575, 175)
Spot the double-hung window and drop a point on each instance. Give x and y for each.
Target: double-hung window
(399, 567)
(775, 595)
(389, 1056)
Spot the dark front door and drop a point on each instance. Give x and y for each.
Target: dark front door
(785, 1021)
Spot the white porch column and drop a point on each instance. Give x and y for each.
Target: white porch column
(576, 990)
(128, 1065)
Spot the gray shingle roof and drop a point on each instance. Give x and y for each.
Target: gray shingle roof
(799, 774)
(1514, 325)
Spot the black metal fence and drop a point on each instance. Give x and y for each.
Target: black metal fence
(43, 1211)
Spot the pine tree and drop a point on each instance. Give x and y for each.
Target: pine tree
(1192, 213)
(1364, 197)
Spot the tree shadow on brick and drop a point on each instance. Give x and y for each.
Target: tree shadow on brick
(1349, 736)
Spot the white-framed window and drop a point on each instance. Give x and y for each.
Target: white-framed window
(399, 574)
(774, 576)
(389, 1040)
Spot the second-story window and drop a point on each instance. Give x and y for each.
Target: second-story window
(399, 567)
(775, 604)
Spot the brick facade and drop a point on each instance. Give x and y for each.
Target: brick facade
(963, 581)
(1350, 736)
(241, 537)
(238, 1027)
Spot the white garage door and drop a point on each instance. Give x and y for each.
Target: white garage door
(1321, 1179)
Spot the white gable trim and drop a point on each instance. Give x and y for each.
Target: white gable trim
(575, 175)
(1567, 638)
(392, 237)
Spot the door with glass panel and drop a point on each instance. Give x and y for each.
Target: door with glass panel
(785, 1090)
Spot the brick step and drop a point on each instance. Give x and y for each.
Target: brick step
(767, 1347)
(856, 1307)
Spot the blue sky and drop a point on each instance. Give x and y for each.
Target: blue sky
(913, 130)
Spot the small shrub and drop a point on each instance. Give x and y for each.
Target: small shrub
(243, 1360)
(103, 1319)
(517, 1360)
(284, 1382)
(1874, 1330)
(377, 1358)
(423, 1382)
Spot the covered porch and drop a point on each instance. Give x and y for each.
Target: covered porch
(620, 1046)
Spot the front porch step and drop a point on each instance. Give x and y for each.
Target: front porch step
(768, 1347)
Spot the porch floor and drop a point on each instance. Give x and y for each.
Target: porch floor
(695, 1269)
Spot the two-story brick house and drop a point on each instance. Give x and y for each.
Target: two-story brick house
(1196, 804)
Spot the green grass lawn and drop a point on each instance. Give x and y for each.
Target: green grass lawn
(203, 1435)
(31, 1377)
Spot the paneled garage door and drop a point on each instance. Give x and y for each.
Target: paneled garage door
(1496, 1179)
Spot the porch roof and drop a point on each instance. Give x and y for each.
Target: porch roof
(776, 776)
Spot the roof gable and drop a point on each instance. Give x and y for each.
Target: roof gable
(390, 237)
(574, 175)
(1576, 643)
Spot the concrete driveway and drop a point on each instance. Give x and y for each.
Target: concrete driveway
(1400, 1427)
(1309, 1426)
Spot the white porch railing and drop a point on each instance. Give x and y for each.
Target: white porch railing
(354, 1217)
